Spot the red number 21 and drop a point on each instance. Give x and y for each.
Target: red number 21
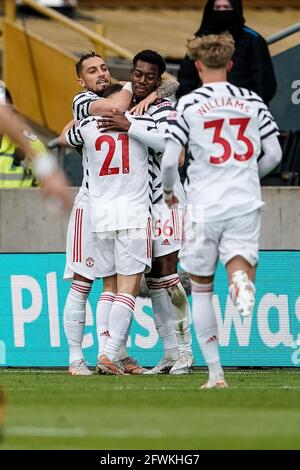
(106, 169)
(217, 139)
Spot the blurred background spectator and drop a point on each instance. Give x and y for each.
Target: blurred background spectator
(252, 67)
(15, 169)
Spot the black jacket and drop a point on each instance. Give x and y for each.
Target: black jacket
(252, 69)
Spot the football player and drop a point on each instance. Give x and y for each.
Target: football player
(225, 128)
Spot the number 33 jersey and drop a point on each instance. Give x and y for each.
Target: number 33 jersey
(224, 127)
(118, 176)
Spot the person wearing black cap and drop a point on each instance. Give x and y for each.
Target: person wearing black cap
(252, 65)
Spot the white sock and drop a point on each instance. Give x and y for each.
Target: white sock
(162, 316)
(104, 306)
(119, 321)
(180, 311)
(205, 325)
(74, 318)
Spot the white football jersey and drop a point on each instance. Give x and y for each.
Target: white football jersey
(224, 126)
(118, 176)
(159, 112)
(81, 104)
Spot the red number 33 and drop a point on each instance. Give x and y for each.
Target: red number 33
(217, 139)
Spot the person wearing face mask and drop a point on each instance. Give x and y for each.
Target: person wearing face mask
(252, 65)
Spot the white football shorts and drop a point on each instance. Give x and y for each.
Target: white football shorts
(80, 257)
(205, 243)
(167, 229)
(125, 252)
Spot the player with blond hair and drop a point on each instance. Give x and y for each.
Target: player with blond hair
(225, 128)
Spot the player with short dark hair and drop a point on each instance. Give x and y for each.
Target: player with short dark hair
(151, 57)
(79, 64)
(94, 78)
(120, 224)
(169, 301)
(111, 89)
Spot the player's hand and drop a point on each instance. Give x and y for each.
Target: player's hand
(143, 105)
(54, 187)
(62, 141)
(170, 199)
(181, 158)
(114, 121)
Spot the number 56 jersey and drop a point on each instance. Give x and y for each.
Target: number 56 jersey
(118, 176)
(224, 127)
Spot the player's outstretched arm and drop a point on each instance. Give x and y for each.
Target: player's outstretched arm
(166, 89)
(53, 180)
(54, 186)
(152, 138)
(54, 183)
(13, 126)
(272, 155)
(119, 101)
(62, 138)
(116, 121)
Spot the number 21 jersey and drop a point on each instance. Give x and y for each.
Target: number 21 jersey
(117, 168)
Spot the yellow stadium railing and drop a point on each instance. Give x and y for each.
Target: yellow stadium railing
(39, 75)
(98, 40)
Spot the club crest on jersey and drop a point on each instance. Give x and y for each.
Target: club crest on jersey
(89, 262)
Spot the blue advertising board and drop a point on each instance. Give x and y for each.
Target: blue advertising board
(33, 295)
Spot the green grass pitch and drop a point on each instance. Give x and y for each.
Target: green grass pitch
(51, 410)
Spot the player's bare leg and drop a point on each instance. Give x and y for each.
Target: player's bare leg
(74, 322)
(156, 280)
(180, 313)
(171, 315)
(241, 277)
(119, 321)
(205, 324)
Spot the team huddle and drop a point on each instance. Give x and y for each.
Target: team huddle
(132, 216)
